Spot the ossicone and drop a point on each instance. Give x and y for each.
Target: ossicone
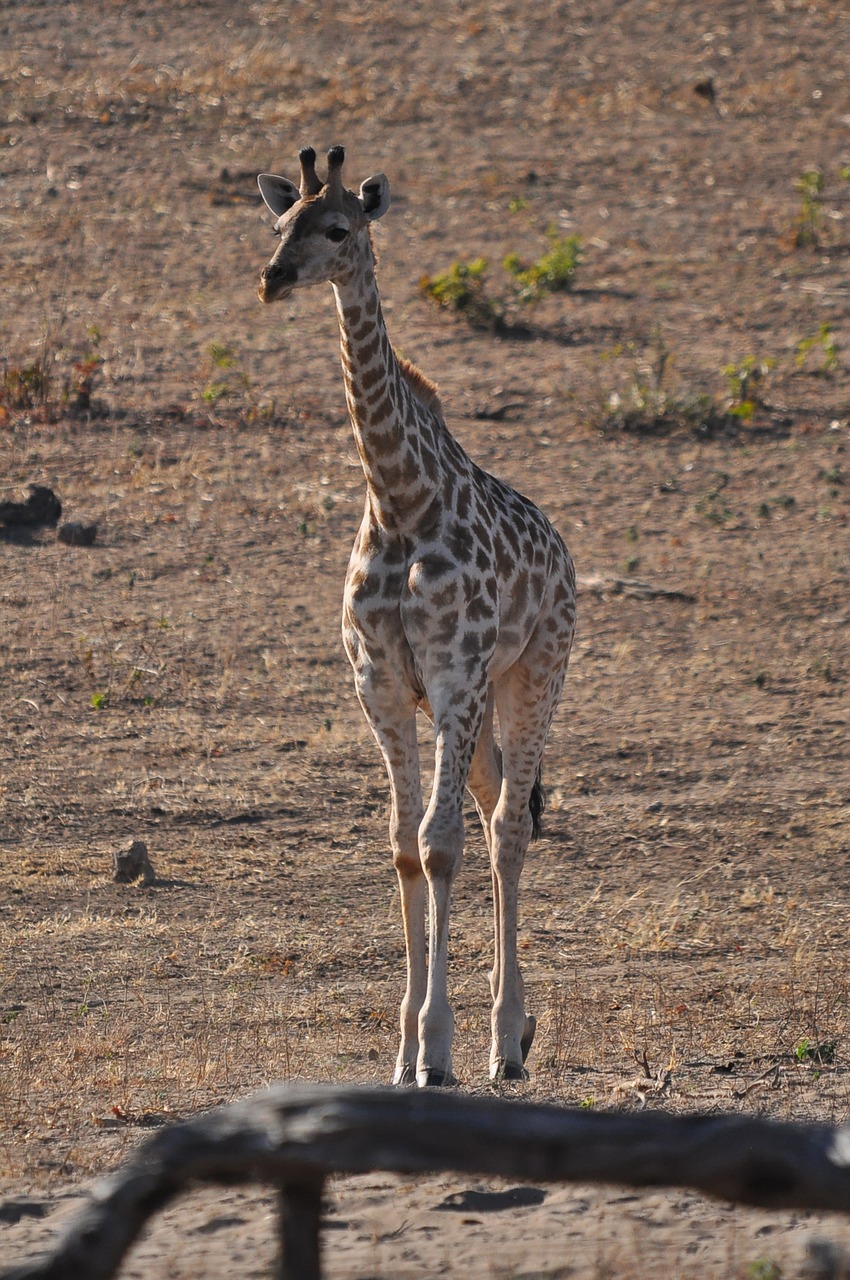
(310, 182)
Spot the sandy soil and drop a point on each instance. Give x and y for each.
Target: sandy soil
(183, 681)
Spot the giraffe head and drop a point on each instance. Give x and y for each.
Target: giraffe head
(323, 227)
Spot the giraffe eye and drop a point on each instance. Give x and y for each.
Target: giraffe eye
(336, 234)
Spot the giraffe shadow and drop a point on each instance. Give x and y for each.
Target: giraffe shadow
(562, 334)
(471, 1201)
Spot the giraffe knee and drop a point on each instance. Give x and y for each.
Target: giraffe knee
(511, 837)
(441, 844)
(404, 842)
(408, 864)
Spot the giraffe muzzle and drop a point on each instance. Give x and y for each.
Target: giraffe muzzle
(276, 282)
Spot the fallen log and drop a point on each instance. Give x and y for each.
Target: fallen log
(609, 584)
(295, 1136)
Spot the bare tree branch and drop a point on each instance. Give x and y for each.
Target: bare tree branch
(295, 1136)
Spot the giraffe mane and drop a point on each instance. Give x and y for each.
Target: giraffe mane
(423, 388)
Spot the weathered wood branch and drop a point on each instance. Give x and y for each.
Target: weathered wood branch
(609, 584)
(295, 1136)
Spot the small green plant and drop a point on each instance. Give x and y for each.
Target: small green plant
(552, 272)
(224, 375)
(809, 186)
(79, 384)
(463, 289)
(712, 505)
(820, 1051)
(822, 344)
(745, 380)
(764, 1269)
(222, 379)
(649, 404)
(98, 701)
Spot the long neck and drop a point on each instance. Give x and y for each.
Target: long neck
(394, 432)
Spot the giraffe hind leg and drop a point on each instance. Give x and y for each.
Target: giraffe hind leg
(526, 700)
(485, 784)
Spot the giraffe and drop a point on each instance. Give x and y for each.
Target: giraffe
(459, 601)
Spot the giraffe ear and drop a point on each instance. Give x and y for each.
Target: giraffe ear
(375, 196)
(279, 193)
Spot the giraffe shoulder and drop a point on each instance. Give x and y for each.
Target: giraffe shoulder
(422, 387)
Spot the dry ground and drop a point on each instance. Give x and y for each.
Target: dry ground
(183, 681)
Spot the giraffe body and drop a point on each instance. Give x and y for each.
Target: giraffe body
(459, 601)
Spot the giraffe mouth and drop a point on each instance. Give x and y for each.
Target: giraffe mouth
(274, 293)
(276, 284)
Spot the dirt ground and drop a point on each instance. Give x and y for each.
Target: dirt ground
(182, 681)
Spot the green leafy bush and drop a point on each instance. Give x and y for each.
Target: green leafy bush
(463, 289)
(553, 272)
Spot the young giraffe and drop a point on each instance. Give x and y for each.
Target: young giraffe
(459, 601)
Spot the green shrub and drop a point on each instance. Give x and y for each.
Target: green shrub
(462, 289)
(553, 272)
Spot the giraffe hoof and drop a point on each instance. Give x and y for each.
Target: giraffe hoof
(528, 1036)
(404, 1075)
(510, 1071)
(433, 1078)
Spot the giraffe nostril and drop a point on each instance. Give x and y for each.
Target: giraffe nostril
(276, 281)
(280, 273)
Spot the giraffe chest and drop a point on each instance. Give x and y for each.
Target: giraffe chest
(447, 603)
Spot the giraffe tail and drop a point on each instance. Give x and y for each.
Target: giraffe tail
(537, 803)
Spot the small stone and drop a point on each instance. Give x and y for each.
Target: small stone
(134, 864)
(77, 535)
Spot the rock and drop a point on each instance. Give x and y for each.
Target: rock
(18, 1207)
(41, 507)
(134, 864)
(76, 534)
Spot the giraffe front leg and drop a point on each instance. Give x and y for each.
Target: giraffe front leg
(441, 850)
(392, 717)
(400, 750)
(412, 894)
(457, 716)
